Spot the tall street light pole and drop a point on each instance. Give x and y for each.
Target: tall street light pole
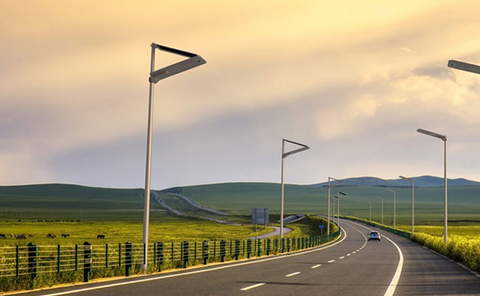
(445, 211)
(413, 201)
(328, 202)
(394, 206)
(192, 61)
(285, 155)
(339, 196)
(382, 207)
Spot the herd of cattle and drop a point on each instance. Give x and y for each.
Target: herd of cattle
(50, 235)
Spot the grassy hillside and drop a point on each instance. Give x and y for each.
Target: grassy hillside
(62, 201)
(239, 198)
(57, 201)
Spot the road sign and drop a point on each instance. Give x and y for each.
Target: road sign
(321, 226)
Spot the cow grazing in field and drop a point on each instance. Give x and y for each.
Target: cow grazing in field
(51, 235)
(3, 236)
(102, 236)
(21, 236)
(65, 235)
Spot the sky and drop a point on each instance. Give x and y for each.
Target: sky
(351, 79)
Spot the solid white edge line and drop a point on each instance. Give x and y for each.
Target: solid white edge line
(398, 272)
(196, 271)
(251, 287)
(293, 274)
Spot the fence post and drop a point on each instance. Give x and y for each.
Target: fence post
(249, 247)
(154, 253)
(145, 259)
(128, 258)
(214, 250)
(289, 242)
(173, 250)
(259, 248)
(205, 252)
(106, 255)
(76, 257)
(17, 263)
(119, 254)
(58, 258)
(269, 246)
(87, 263)
(195, 251)
(223, 250)
(237, 249)
(185, 253)
(32, 260)
(159, 255)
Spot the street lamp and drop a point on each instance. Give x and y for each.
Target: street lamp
(382, 207)
(464, 66)
(192, 61)
(394, 206)
(445, 212)
(413, 201)
(285, 155)
(338, 205)
(328, 210)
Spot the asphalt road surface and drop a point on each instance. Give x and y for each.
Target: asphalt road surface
(350, 266)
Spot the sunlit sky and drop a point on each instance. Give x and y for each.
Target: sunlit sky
(353, 80)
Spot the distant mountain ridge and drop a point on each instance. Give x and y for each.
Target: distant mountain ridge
(420, 182)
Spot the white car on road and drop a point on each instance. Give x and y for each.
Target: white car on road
(374, 235)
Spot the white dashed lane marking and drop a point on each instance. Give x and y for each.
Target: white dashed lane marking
(293, 274)
(251, 287)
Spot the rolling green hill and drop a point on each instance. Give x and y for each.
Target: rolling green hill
(67, 202)
(239, 198)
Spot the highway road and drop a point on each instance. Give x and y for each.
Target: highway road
(350, 266)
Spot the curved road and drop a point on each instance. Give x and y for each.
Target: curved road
(276, 231)
(350, 266)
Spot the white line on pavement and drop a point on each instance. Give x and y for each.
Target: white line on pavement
(396, 277)
(251, 287)
(293, 274)
(331, 261)
(316, 266)
(343, 257)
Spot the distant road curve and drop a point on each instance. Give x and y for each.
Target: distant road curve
(273, 233)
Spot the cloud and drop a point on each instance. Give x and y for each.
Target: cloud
(408, 50)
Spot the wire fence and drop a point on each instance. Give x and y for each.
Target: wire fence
(32, 261)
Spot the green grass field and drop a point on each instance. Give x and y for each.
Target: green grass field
(169, 229)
